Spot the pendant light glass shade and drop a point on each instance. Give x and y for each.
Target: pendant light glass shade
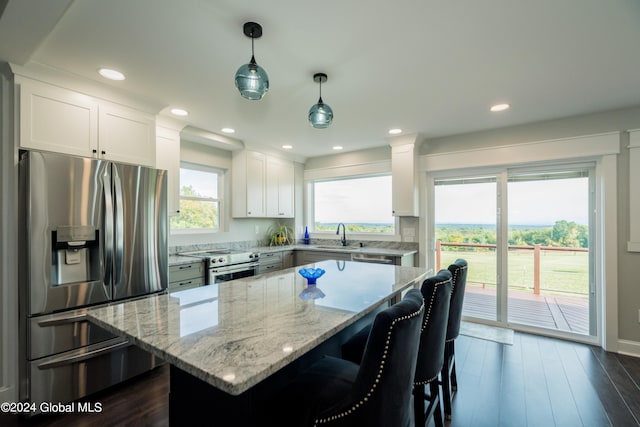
(251, 79)
(320, 114)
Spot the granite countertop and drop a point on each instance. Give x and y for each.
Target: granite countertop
(337, 248)
(235, 334)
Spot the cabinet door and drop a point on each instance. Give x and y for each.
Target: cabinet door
(126, 135)
(286, 191)
(308, 257)
(56, 119)
(280, 188)
(404, 191)
(168, 157)
(288, 259)
(256, 187)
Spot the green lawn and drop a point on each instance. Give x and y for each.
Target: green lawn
(566, 272)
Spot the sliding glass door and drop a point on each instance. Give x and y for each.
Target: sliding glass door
(526, 237)
(549, 282)
(466, 227)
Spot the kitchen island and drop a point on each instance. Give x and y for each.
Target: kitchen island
(226, 342)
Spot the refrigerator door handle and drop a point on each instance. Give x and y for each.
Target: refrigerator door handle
(119, 226)
(85, 354)
(108, 230)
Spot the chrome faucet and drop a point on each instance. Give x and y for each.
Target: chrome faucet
(344, 234)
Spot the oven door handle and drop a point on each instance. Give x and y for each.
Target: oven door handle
(234, 269)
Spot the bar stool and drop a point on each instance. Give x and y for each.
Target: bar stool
(449, 377)
(376, 393)
(436, 291)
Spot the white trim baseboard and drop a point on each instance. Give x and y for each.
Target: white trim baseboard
(630, 348)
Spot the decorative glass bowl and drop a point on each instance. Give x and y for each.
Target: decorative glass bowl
(311, 274)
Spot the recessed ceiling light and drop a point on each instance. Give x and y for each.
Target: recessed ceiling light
(111, 74)
(499, 107)
(179, 112)
(337, 147)
(287, 147)
(228, 130)
(395, 131)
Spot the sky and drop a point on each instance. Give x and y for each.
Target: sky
(204, 183)
(354, 200)
(530, 202)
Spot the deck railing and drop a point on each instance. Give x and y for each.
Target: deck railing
(537, 250)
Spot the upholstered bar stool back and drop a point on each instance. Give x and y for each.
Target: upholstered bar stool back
(376, 393)
(449, 377)
(436, 291)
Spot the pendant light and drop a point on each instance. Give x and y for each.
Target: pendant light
(251, 79)
(320, 115)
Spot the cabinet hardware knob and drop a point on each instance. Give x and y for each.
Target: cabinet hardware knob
(104, 152)
(94, 151)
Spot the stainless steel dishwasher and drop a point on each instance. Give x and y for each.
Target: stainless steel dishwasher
(376, 259)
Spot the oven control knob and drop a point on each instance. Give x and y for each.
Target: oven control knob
(220, 259)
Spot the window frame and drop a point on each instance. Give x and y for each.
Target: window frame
(310, 211)
(220, 199)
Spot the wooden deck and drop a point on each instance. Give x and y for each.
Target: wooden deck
(563, 313)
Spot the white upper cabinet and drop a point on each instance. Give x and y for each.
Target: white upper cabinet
(60, 120)
(56, 119)
(280, 188)
(403, 173)
(168, 157)
(262, 186)
(248, 180)
(126, 135)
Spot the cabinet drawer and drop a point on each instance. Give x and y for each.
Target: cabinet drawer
(270, 257)
(186, 284)
(178, 273)
(264, 268)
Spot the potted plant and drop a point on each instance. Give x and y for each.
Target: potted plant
(280, 235)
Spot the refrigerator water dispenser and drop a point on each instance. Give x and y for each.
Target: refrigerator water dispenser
(75, 255)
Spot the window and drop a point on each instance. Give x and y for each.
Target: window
(363, 204)
(200, 199)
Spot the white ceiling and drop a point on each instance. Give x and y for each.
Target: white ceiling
(431, 67)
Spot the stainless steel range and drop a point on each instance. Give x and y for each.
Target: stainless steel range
(224, 265)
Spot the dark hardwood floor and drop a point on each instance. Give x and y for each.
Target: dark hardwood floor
(541, 381)
(141, 401)
(537, 381)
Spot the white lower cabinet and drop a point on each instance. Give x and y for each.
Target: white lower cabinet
(270, 261)
(308, 257)
(186, 276)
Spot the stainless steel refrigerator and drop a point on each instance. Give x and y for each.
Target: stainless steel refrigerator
(91, 232)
